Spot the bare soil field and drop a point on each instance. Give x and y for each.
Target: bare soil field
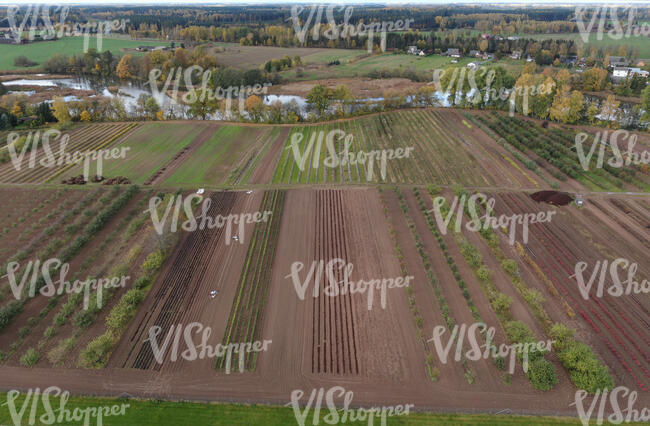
(377, 353)
(241, 285)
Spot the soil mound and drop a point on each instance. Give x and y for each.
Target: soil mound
(120, 180)
(74, 180)
(552, 197)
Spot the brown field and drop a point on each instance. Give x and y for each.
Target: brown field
(383, 354)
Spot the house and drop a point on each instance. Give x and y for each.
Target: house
(516, 54)
(529, 58)
(638, 72)
(454, 53)
(413, 50)
(640, 64)
(474, 54)
(422, 53)
(513, 38)
(621, 73)
(618, 61)
(485, 36)
(571, 61)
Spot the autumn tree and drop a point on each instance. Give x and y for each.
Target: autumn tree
(60, 110)
(609, 109)
(124, 68)
(255, 107)
(16, 110)
(567, 106)
(85, 116)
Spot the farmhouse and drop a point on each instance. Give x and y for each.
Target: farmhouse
(618, 61)
(516, 54)
(621, 73)
(454, 53)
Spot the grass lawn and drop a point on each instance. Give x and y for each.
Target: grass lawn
(150, 412)
(246, 57)
(212, 162)
(391, 61)
(153, 145)
(41, 51)
(641, 42)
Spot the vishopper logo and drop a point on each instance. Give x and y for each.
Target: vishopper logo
(336, 269)
(36, 400)
(39, 273)
(603, 140)
(202, 93)
(485, 351)
(35, 12)
(203, 350)
(335, 31)
(18, 147)
(617, 287)
(179, 204)
(477, 84)
(344, 415)
(303, 152)
(486, 221)
(603, 15)
(615, 398)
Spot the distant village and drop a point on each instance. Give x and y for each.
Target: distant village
(619, 67)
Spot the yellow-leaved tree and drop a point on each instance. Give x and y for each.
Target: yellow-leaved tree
(60, 110)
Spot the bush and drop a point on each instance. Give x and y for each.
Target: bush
(84, 318)
(30, 358)
(542, 374)
(154, 261)
(96, 353)
(125, 309)
(57, 355)
(23, 61)
(585, 370)
(510, 266)
(142, 282)
(8, 312)
(483, 273)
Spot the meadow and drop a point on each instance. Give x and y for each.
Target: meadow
(41, 51)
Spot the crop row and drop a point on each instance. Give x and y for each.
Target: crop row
(247, 313)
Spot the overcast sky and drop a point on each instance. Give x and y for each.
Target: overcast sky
(396, 2)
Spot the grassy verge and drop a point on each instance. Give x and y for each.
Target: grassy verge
(153, 412)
